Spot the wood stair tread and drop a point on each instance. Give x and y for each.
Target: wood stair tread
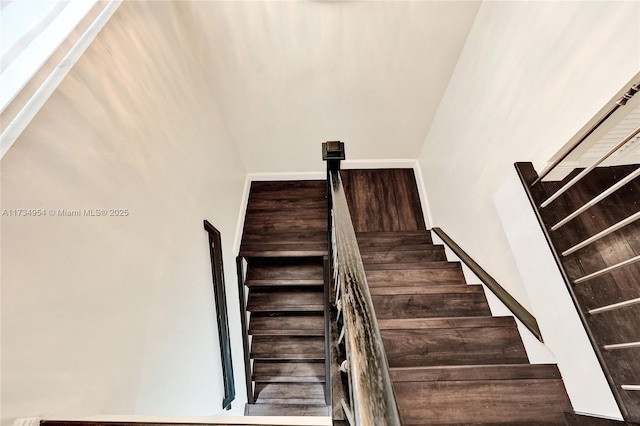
(430, 305)
(392, 248)
(448, 323)
(379, 266)
(284, 283)
(391, 234)
(428, 254)
(495, 344)
(475, 372)
(282, 252)
(289, 372)
(461, 288)
(286, 410)
(289, 393)
(508, 402)
(285, 301)
(286, 269)
(306, 325)
(398, 283)
(288, 347)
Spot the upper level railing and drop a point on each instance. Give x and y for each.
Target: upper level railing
(587, 203)
(631, 137)
(372, 401)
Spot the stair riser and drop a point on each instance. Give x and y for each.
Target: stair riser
(270, 347)
(417, 278)
(460, 346)
(430, 305)
(373, 257)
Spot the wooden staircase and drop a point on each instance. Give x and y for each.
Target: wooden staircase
(284, 239)
(451, 361)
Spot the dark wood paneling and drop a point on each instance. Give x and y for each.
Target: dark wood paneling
(383, 200)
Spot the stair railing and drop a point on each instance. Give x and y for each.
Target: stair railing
(519, 311)
(541, 200)
(371, 397)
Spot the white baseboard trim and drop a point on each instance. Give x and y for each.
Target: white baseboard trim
(378, 164)
(320, 175)
(422, 192)
(261, 177)
(241, 214)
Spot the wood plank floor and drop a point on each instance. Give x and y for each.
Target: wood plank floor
(383, 200)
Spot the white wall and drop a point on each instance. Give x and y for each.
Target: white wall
(530, 76)
(115, 315)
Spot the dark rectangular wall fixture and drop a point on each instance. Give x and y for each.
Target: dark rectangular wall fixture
(215, 249)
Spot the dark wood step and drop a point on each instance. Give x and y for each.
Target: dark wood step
(301, 325)
(284, 249)
(475, 372)
(393, 239)
(289, 372)
(297, 236)
(428, 254)
(451, 301)
(284, 283)
(427, 343)
(483, 402)
(289, 269)
(286, 410)
(407, 247)
(288, 348)
(286, 301)
(450, 274)
(403, 265)
(289, 393)
(284, 225)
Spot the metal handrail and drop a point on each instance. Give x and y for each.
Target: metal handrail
(619, 103)
(373, 400)
(505, 297)
(586, 171)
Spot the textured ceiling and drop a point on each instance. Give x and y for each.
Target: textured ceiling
(289, 75)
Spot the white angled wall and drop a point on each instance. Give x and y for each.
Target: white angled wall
(531, 74)
(115, 315)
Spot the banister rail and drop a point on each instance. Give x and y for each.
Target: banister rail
(505, 297)
(371, 393)
(590, 215)
(619, 103)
